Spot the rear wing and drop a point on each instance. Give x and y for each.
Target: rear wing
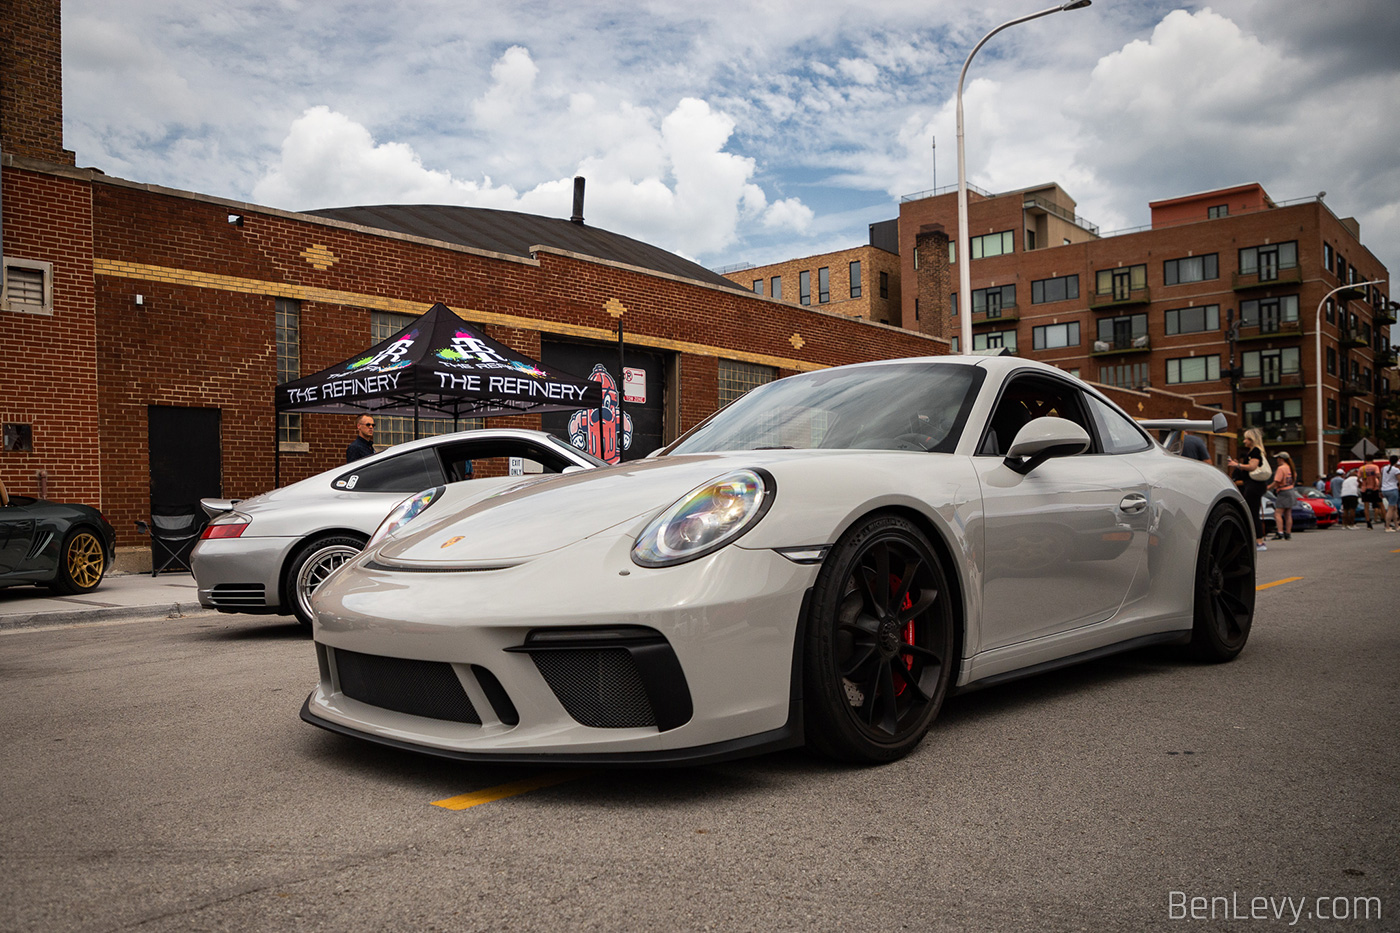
(1175, 426)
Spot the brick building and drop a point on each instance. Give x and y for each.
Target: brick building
(862, 282)
(147, 327)
(1216, 301)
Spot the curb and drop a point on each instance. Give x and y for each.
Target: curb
(56, 617)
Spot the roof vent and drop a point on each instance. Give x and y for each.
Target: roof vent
(578, 200)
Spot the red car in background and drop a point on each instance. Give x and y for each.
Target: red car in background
(1322, 507)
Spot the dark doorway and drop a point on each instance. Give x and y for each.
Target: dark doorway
(596, 430)
(186, 462)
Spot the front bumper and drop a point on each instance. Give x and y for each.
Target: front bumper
(728, 622)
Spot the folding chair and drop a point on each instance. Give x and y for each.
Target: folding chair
(173, 531)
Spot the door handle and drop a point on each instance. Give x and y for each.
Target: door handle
(1133, 503)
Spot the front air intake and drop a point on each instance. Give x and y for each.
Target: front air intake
(419, 688)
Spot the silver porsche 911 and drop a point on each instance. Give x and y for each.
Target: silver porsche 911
(824, 561)
(268, 554)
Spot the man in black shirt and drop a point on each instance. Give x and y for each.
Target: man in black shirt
(363, 445)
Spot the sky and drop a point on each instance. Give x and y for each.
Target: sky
(733, 132)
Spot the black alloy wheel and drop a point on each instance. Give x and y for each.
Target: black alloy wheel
(878, 659)
(1224, 608)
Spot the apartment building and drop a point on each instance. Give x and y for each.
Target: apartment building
(863, 282)
(1228, 297)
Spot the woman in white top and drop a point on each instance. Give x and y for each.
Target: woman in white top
(1351, 491)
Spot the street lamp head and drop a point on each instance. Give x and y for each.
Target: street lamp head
(1075, 5)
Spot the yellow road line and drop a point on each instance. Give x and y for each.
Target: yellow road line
(463, 801)
(1265, 586)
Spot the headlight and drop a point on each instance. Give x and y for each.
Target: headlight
(405, 512)
(705, 519)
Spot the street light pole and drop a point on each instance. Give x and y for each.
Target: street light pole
(963, 257)
(1317, 368)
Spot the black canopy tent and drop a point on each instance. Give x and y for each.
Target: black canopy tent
(441, 365)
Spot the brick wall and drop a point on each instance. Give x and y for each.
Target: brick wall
(31, 91)
(49, 379)
(869, 305)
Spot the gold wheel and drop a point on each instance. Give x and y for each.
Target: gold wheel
(83, 564)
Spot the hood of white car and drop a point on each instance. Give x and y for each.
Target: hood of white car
(537, 517)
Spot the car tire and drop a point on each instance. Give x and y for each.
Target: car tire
(311, 565)
(1224, 592)
(82, 562)
(878, 657)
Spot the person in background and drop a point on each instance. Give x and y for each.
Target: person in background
(1193, 447)
(1334, 489)
(1321, 485)
(363, 444)
(1252, 489)
(1390, 493)
(1351, 491)
(1370, 478)
(1284, 497)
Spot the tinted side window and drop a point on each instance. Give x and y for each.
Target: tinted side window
(1118, 432)
(476, 459)
(411, 471)
(1025, 399)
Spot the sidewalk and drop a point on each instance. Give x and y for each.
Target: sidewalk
(121, 596)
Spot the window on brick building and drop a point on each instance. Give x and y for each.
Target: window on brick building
(1269, 314)
(991, 301)
(992, 244)
(1217, 210)
(1270, 366)
(1053, 336)
(1120, 283)
(1267, 261)
(1332, 412)
(395, 429)
(1193, 320)
(1331, 311)
(1193, 369)
(775, 286)
(804, 288)
(1191, 269)
(855, 279)
(758, 286)
(995, 340)
(26, 286)
(1126, 375)
(1327, 256)
(288, 318)
(1332, 361)
(823, 285)
(1062, 288)
(736, 378)
(884, 285)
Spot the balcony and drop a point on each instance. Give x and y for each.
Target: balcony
(1271, 330)
(1123, 299)
(1268, 278)
(1355, 385)
(1385, 359)
(1282, 432)
(1354, 337)
(1139, 343)
(1385, 314)
(1007, 314)
(1271, 383)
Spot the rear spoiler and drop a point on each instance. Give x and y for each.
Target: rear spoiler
(1215, 425)
(216, 507)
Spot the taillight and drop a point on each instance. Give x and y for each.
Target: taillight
(230, 530)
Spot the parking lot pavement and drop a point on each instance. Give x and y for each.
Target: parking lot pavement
(121, 596)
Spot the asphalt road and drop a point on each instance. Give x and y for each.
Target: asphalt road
(156, 777)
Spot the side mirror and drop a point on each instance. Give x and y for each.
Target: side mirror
(1042, 439)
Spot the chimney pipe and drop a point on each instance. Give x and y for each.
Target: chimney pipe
(578, 200)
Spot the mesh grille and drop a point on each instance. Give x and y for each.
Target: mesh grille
(598, 688)
(419, 688)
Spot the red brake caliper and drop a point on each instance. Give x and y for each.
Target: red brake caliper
(908, 631)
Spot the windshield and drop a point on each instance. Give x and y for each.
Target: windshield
(914, 406)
